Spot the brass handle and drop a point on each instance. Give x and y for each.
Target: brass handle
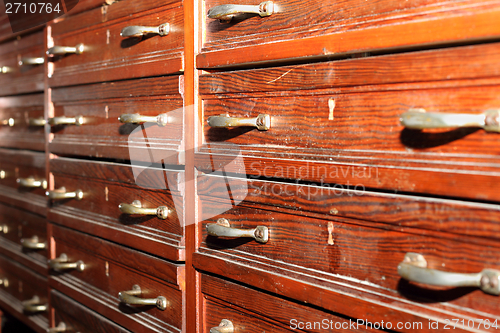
(32, 182)
(33, 243)
(36, 122)
(262, 122)
(62, 50)
(60, 328)
(10, 122)
(78, 120)
(31, 61)
(134, 118)
(4, 228)
(135, 208)
(6, 69)
(227, 12)
(129, 297)
(139, 31)
(420, 119)
(414, 268)
(4, 282)
(61, 194)
(33, 305)
(225, 326)
(223, 229)
(61, 263)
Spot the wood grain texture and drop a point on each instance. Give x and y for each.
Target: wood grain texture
(112, 268)
(108, 56)
(397, 31)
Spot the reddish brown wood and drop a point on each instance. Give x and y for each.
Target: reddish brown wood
(111, 268)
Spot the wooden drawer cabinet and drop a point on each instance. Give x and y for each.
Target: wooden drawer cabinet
(74, 317)
(103, 270)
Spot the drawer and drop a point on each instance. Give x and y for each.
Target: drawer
(305, 30)
(344, 254)
(106, 269)
(23, 237)
(104, 55)
(111, 125)
(22, 122)
(22, 67)
(77, 318)
(22, 181)
(328, 130)
(107, 186)
(23, 293)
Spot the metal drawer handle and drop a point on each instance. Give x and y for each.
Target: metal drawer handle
(33, 243)
(139, 31)
(10, 122)
(129, 297)
(61, 194)
(61, 263)
(262, 122)
(36, 122)
(33, 305)
(62, 50)
(32, 182)
(60, 328)
(31, 61)
(420, 119)
(414, 268)
(223, 229)
(4, 282)
(135, 208)
(227, 12)
(4, 228)
(225, 326)
(6, 69)
(134, 118)
(79, 120)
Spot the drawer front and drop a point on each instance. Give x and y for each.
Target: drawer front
(300, 29)
(23, 183)
(108, 130)
(325, 130)
(98, 211)
(22, 65)
(22, 122)
(109, 269)
(24, 293)
(23, 237)
(77, 318)
(106, 55)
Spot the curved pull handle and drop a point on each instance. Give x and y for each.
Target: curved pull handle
(79, 120)
(60, 328)
(130, 297)
(62, 50)
(33, 243)
(4, 229)
(34, 305)
(414, 268)
(61, 263)
(4, 282)
(420, 119)
(139, 31)
(262, 122)
(36, 122)
(135, 208)
(225, 326)
(223, 229)
(61, 194)
(227, 12)
(6, 69)
(134, 118)
(31, 61)
(32, 182)
(8, 122)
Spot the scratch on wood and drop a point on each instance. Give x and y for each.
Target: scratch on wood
(331, 106)
(288, 71)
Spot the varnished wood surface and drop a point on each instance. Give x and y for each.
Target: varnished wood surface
(247, 308)
(111, 268)
(78, 318)
(104, 136)
(107, 55)
(397, 31)
(22, 109)
(105, 187)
